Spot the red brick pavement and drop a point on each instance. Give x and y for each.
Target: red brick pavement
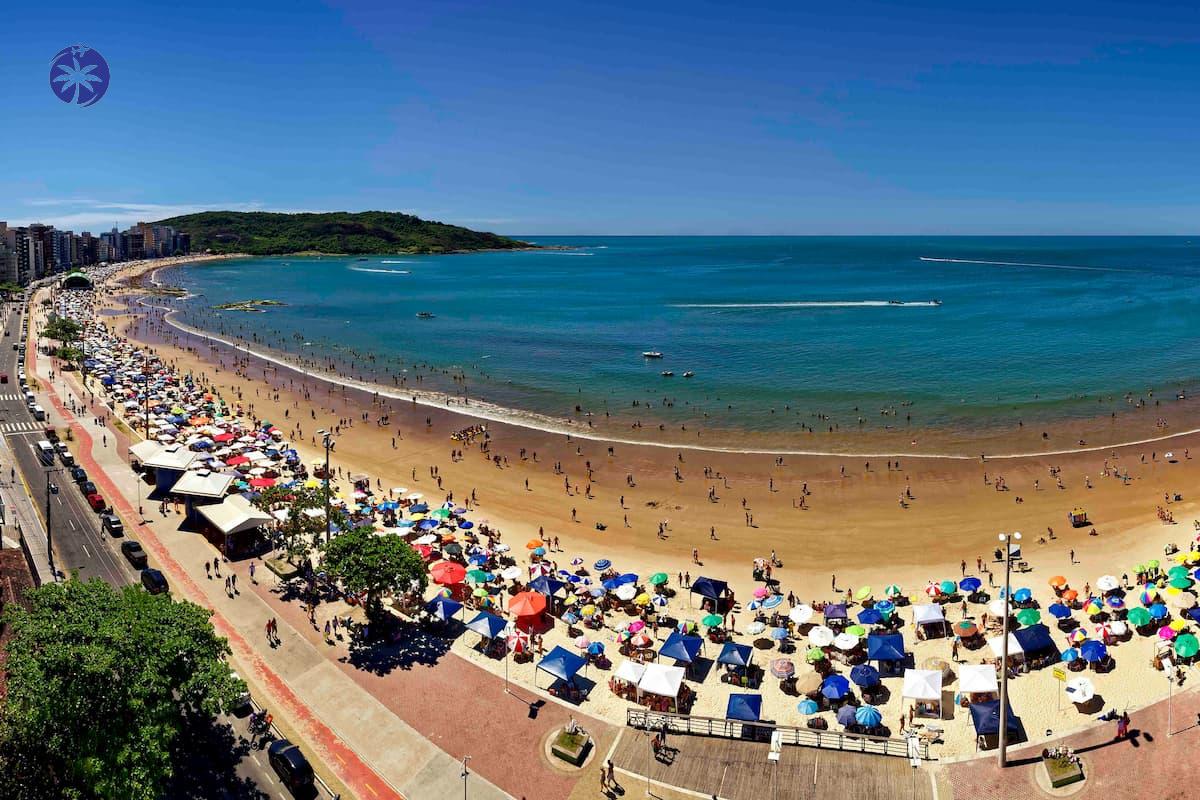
(358, 777)
(1149, 765)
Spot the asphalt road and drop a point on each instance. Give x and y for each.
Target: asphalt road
(215, 759)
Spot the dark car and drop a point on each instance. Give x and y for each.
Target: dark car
(290, 764)
(134, 553)
(78, 474)
(112, 524)
(87, 487)
(154, 581)
(96, 501)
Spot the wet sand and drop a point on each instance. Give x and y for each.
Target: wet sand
(853, 524)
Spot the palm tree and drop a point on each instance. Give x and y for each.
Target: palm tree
(77, 77)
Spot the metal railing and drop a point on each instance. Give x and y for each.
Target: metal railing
(645, 719)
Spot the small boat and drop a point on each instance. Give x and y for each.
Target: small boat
(424, 315)
(652, 354)
(666, 373)
(361, 259)
(936, 302)
(895, 302)
(689, 374)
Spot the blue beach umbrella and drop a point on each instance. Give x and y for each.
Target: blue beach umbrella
(1115, 601)
(1158, 611)
(602, 564)
(835, 687)
(868, 716)
(779, 634)
(971, 584)
(539, 551)
(772, 601)
(1093, 650)
(808, 706)
(466, 524)
(1059, 611)
(477, 561)
(885, 607)
(1069, 655)
(845, 715)
(1022, 595)
(870, 616)
(865, 675)
(595, 648)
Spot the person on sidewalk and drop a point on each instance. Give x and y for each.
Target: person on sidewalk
(252, 573)
(217, 566)
(207, 570)
(233, 582)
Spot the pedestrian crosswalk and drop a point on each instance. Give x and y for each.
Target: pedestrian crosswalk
(20, 427)
(11, 397)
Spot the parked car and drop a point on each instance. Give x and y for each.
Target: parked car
(112, 524)
(133, 553)
(96, 501)
(154, 581)
(78, 474)
(87, 487)
(290, 764)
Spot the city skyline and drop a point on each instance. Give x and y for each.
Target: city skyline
(684, 119)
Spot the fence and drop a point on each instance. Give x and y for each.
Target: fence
(761, 731)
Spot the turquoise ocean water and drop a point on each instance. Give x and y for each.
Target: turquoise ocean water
(779, 328)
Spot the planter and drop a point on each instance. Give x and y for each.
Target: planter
(571, 747)
(1062, 772)
(280, 566)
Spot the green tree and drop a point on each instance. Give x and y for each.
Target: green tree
(63, 329)
(72, 355)
(366, 562)
(300, 531)
(98, 681)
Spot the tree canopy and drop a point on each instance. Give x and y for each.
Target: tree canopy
(98, 679)
(366, 562)
(268, 233)
(63, 329)
(300, 531)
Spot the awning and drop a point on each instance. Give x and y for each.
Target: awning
(561, 663)
(885, 647)
(202, 483)
(234, 514)
(735, 654)
(977, 678)
(144, 450)
(744, 707)
(925, 614)
(681, 648)
(486, 625)
(661, 680)
(922, 684)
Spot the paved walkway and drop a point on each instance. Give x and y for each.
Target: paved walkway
(410, 721)
(1151, 764)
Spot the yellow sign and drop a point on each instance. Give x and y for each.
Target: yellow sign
(1060, 674)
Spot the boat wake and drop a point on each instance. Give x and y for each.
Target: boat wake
(817, 304)
(384, 271)
(395, 262)
(1024, 264)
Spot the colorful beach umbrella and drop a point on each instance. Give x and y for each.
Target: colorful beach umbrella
(1139, 617)
(1186, 646)
(1059, 611)
(447, 572)
(948, 587)
(965, 628)
(1029, 616)
(712, 620)
(867, 716)
(893, 590)
(657, 579)
(814, 655)
(971, 584)
(808, 707)
(772, 601)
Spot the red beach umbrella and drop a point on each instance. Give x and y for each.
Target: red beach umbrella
(527, 604)
(447, 572)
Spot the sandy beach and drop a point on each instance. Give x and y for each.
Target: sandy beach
(852, 530)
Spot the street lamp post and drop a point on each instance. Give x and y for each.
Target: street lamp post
(49, 527)
(327, 440)
(465, 773)
(1005, 538)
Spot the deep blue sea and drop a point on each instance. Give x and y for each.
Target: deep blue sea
(777, 330)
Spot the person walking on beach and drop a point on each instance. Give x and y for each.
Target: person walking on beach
(1072, 554)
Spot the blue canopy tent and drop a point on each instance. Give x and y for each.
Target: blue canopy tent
(836, 611)
(443, 607)
(710, 588)
(487, 625)
(562, 663)
(744, 707)
(547, 586)
(1037, 642)
(885, 647)
(734, 654)
(681, 648)
(986, 717)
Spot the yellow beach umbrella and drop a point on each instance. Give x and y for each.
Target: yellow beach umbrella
(588, 610)
(570, 600)
(642, 599)
(417, 517)
(1178, 625)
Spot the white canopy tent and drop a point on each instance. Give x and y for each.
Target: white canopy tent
(925, 687)
(997, 645)
(234, 514)
(977, 679)
(661, 680)
(630, 672)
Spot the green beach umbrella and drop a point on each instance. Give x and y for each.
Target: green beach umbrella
(1029, 616)
(948, 587)
(1186, 646)
(856, 630)
(863, 593)
(480, 592)
(1152, 563)
(1177, 571)
(658, 579)
(479, 576)
(711, 621)
(893, 590)
(814, 655)
(440, 513)
(1138, 617)
(1180, 583)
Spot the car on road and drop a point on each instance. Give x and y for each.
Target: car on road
(154, 581)
(3, 377)
(96, 501)
(133, 553)
(290, 765)
(87, 487)
(78, 474)
(112, 524)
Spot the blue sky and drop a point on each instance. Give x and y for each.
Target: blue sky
(664, 117)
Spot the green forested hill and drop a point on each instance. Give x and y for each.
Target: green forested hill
(268, 233)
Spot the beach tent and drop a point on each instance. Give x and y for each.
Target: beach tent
(630, 672)
(744, 707)
(930, 619)
(734, 654)
(661, 680)
(835, 611)
(1036, 641)
(546, 586)
(562, 663)
(487, 625)
(986, 717)
(1014, 646)
(710, 588)
(681, 648)
(885, 647)
(443, 607)
(977, 679)
(925, 687)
